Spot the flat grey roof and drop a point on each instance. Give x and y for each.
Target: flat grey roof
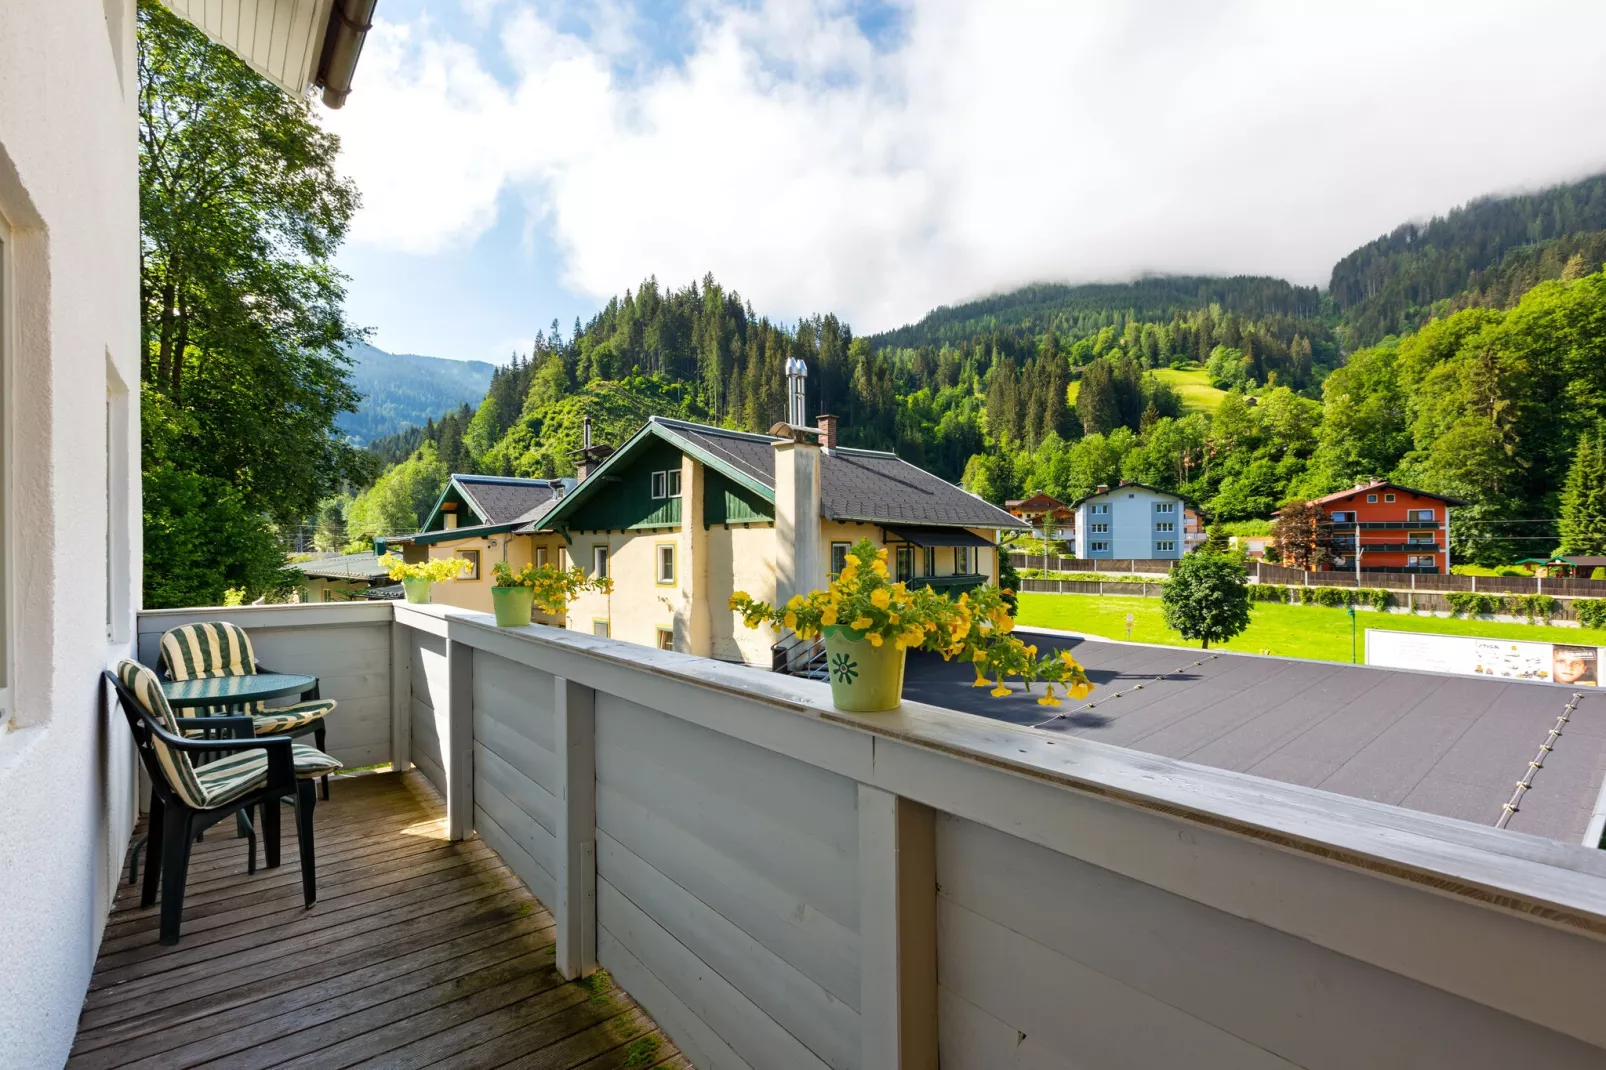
(1449, 745)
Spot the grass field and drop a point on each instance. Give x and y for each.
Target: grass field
(1191, 384)
(1291, 631)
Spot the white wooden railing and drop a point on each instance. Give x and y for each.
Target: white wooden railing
(783, 885)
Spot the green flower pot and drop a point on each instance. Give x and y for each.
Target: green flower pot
(512, 605)
(864, 678)
(417, 591)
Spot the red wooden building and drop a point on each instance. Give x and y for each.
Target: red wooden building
(1393, 528)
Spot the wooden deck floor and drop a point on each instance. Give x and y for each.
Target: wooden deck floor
(419, 952)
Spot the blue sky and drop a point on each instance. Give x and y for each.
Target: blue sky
(521, 161)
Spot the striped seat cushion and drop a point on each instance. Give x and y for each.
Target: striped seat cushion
(176, 765)
(290, 718)
(207, 650)
(229, 778)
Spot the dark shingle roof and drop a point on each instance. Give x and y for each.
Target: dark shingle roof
(866, 485)
(502, 499)
(1449, 745)
(363, 566)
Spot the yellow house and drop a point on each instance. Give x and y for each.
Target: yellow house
(684, 514)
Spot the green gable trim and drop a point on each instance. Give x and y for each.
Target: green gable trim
(623, 500)
(728, 502)
(626, 472)
(467, 516)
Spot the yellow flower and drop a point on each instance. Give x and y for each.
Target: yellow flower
(900, 588)
(981, 681)
(1000, 691)
(1031, 651)
(881, 554)
(880, 568)
(893, 617)
(1048, 699)
(790, 620)
(1080, 691)
(875, 639)
(861, 623)
(879, 598)
(795, 602)
(851, 559)
(829, 616)
(914, 636)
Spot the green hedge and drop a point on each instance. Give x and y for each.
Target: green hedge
(1535, 607)
(1269, 592)
(1375, 597)
(1591, 612)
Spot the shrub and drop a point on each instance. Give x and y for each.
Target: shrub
(1536, 607)
(1591, 612)
(1472, 604)
(1327, 596)
(1268, 592)
(1377, 597)
(1207, 598)
(1598, 573)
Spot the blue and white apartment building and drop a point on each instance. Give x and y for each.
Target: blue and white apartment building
(1130, 521)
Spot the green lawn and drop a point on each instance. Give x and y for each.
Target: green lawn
(1292, 631)
(1193, 385)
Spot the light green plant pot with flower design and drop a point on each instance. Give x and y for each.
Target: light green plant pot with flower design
(417, 589)
(864, 678)
(513, 605)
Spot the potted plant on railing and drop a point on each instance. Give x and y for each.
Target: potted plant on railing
(417, 576)
(518, 592)
(869, 624)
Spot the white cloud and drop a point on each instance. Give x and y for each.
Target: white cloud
(997, 143)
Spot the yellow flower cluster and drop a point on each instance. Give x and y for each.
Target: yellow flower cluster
(436, 569)
(862, 603)
(552, 587)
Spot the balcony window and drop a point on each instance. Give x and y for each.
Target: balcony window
(1421, 561)
(1420, 536)
(1420, 516)
(1342, 517)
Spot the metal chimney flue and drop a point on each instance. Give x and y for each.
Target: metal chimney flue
(796, 375)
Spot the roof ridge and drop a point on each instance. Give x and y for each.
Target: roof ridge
(750, 436)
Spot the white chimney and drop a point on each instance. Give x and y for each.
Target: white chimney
(799, 568)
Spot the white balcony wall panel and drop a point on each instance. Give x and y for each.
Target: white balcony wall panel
(515, 771)
(1098, 969)
(279, 39)
(717, 863)
(429, 705)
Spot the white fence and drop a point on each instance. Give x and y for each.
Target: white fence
(783, 885)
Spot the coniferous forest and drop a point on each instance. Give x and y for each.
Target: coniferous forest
(1465, 356)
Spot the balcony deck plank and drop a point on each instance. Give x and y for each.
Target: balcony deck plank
(419, 953)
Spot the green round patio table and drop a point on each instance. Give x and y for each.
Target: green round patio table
(235, 691)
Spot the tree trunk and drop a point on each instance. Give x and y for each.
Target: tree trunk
(164, 359)
(1204, 644)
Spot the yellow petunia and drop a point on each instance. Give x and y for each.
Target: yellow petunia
(1049, 699)
(1000, 691)
(879, 598)
(829, 616)
(875, 639)
(861, 623)
(795, 602)
(790, 620)
(1080, 691)
(851, 559)
(981, 681)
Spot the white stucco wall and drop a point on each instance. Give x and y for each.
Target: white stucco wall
(69, 196)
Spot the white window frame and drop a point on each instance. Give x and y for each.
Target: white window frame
(473, 574)
(1420, 516)
(1420, 538)
(1164, 526)
(599, 561)
(1343, 516)
(673, 477)
(1101, 509)
(928, 560)
(541, 556)
(1166, 546)
(1388, 497)
(1099, 529)
(1165, 507)
(1098, 548)
(659, 558)
(1371, 499)
(1421, 560)
(839, 557)
(964, 560)
(660, 485)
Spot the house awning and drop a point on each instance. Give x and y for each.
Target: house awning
(924, 537)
